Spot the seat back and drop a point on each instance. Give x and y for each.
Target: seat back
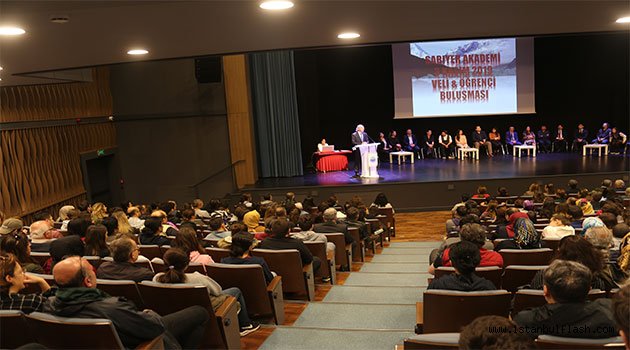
(432, 341)
(122, 288)
(34, 288)
(515, 276)
(541, 256)
(287, 264)
(554, 342)
(13, 330)
(150, 251)
(491, 273)
(341, 256)
(551, 244)
(218, 253)
(318, 249)
(73, 333)
(249, 279)
(358, 252)
(93, 260)
(40, 257)
(530, 298)
(169, 298)
(449, 311)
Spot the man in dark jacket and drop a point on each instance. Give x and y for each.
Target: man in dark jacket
(125, 253)
(78, 297)
(330, 225)
(352, 220)
(280, 240)
(568, 313)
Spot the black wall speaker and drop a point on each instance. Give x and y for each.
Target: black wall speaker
(208, 70)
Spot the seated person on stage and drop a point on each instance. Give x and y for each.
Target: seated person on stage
(78, 297)
(529, 138)
(476, 234)
(566, 287)
(581, 137)
(544, 139)
(465, 258)
(330, 225)
(384, 147)
(603, 135)
(495, 139)
(428, 144)
(617, 141)
(394, 142)
(511, 138)
(560, 142)
(320, 146)
(410, 142)
(460, 140)
(280, 240)
(445, 142)
(125, 253)
(480, 139)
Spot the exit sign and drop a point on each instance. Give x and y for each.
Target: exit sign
(100, 152)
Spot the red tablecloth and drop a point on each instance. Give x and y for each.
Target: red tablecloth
(331, 161)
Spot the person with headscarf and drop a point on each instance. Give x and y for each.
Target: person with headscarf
(63, 213)
(525, 236)
(508, 230)
(252, 221)
(586, 206)
(591, 222)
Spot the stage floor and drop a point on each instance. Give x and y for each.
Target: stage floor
(432, 170)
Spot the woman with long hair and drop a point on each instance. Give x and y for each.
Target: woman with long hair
(96, 241)
(187, 241)
(124, 227)
(177, 261)
(17, 243)
(152, 232)
(12, 280)
(99, 211)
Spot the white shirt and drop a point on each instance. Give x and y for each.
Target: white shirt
(410, 139)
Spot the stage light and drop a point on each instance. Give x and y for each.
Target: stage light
(349, 35)
(276, 5)
(623, 20)
(137, 52)
(11, 31)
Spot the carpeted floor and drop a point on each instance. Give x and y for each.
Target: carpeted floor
(373, 309)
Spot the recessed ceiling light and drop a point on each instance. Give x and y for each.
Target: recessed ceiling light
(137, 52)
(11, 31)
(623, 20)
(349, 35)
(1, 68)
(276, 5)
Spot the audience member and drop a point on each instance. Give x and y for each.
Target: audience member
(507, 231)
(217, 229)
(177, 262)
(566, 287)
(330, 225)
(280, 240)
(62, 247)
(381, 201)
(17, 244)
(187, 241)
(152, 233)
(99, 211)
(465, 257)
(95, 241)
(352, 220)
(13, 279)
(125, 253)
(621, 313)
(197, 206)
(559, 226)
(478, 335)
(78, 297)
(134, 218)
(306, 233)
(525, 236)
(240, 254)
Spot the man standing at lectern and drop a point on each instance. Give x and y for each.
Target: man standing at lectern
(359, 137)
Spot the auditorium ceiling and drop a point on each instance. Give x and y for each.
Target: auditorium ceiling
(101, 32)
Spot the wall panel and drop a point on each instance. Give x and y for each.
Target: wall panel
(40, 164)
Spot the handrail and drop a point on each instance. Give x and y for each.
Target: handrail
(220, 171)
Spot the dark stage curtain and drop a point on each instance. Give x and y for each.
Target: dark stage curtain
(274, 102)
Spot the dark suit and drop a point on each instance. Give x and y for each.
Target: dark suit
(393, 141)
(544, 140)
(407, 146)
(383, 149)
(331, 227)
(582, 135)
(357, 140)
(428, 144)
(478, 138)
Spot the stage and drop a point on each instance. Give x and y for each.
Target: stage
(436, 183)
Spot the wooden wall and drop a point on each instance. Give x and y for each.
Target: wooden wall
(240, 119)
(39, 160)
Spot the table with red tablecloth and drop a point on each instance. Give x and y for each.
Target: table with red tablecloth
(331, 161)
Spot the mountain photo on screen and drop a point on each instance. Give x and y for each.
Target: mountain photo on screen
(464, 77)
